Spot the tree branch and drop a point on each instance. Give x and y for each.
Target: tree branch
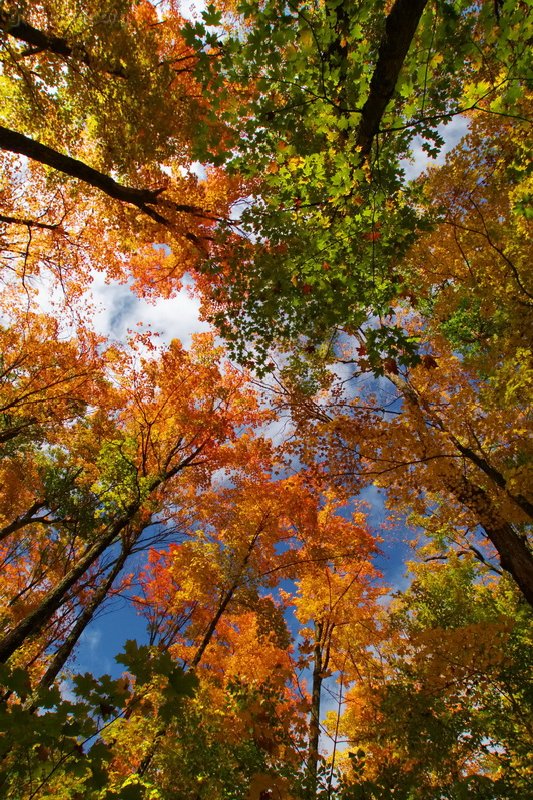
(143, 199)
(29, 223)
(40, 41)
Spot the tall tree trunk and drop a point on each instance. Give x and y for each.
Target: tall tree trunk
(33, 624)
(99, 595)
(321, 657)
(513, 550)
(37, 619)
(226, 599)
(314, 719)
(521, 502)
(515, 555)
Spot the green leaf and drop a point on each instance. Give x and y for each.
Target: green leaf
(211, 16)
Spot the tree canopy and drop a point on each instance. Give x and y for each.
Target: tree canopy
(367, 380)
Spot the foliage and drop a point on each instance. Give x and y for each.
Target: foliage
(330, 218)
(447, 715)
(383, 329)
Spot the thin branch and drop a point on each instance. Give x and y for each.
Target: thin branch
(29, 223)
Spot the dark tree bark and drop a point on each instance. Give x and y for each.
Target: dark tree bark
(28, 223)
(143, 199)
(11, 433)
(41, 41)
(314, 718)
(321, 657)
(99, 595)
(226, 599)
(522, 502)
(34, 623)
(513, 551)
(515, 555)
(28, 518)
(400, 28)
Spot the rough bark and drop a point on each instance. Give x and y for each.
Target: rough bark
(515, 556)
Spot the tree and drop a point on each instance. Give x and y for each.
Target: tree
(334, 600)
(174, 414)
(401, 314)
(438, 448)
(109, 141)
(443, 711)
(333, 97)
(458, 423)
(206, 601)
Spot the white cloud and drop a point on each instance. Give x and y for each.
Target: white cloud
(192, 9)
(92, 652)
(119, 310)
(452, 133)
(67, 691)
(115, 309)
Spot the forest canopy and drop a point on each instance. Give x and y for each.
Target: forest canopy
(321, 509)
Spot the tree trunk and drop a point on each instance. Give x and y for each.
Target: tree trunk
(400, 28)
(515, 556)
(37, 619)
(226, 599)
(63, 653)
(513, 551)
(314, 720)
(33, 624)
(522, 502)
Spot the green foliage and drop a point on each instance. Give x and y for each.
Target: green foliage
(328, 242)
(467, 328)
(322, 236)
(52, 738)
(66, 493)
(149, 665)
(59, 743)
(120, 483)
